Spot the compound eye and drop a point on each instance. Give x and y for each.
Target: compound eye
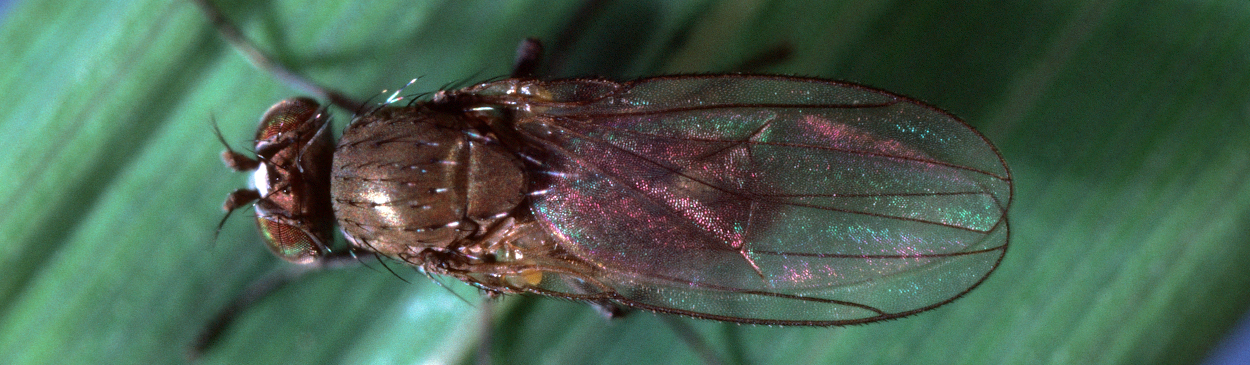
(286, 116)
(289, 242)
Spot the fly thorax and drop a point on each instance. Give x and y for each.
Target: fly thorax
(406, 179)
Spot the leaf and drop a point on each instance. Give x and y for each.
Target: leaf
(1125, 124)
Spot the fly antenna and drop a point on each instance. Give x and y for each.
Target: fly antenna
(233, 159)
(263, 61)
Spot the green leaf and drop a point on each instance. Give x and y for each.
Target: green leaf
(1125, 123)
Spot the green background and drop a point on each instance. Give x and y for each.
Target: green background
(1126, 125)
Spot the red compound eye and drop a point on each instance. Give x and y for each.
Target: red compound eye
(289, 242)
(285, 116)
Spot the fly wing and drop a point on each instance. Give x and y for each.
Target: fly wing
(765, 199)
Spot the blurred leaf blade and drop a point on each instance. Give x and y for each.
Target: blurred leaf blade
(1126, 125)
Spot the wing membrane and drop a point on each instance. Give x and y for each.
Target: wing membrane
(766, 199)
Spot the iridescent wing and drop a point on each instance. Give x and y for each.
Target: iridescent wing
(764, 199)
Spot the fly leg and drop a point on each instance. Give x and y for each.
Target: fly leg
(765, 59)
(263, 61)
(262, 288)
(692, 338)
(610, 310)
(528, 56)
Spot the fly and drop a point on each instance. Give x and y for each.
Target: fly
(742, 198)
